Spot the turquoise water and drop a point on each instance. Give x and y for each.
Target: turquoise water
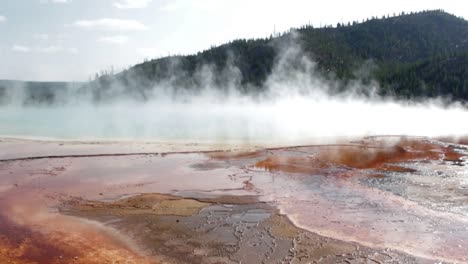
(287, 119)
(129, 122)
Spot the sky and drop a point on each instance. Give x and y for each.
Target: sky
(71, 40)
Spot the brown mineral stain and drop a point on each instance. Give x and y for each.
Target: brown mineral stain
(152, 204)
(23, 245)
(380, 156)
(19, 244)
(31, 233)
(227, 155)
(282, 227)
(225, 199)
(396, 168)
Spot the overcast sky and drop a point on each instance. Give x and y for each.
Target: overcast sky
(55, 40)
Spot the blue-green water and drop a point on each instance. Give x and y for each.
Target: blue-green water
(288, 119)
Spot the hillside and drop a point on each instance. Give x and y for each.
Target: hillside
(392, 44)
(442, 75)
(410, 55)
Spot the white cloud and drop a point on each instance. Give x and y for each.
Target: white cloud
(53, 49)
(132, 4)
(2, 19)
(118, 39)
(50, 38)
(50, 49)
(20, 48)
(111, 24)
(56, 49)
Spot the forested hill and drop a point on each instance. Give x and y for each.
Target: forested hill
(413, 55)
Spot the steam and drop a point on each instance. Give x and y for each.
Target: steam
(297, 104)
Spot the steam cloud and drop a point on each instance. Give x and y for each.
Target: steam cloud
(298, 104)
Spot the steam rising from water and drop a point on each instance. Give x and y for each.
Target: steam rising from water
(295, 107)
(293, 118)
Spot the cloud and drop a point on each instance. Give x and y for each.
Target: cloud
(50, 49)
(2, 19)
(111, 24)
(117, 39)
(132, 4)
(53, 49)
(52, 38)
(20, 48)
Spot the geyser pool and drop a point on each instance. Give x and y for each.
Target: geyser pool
(284, 119)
